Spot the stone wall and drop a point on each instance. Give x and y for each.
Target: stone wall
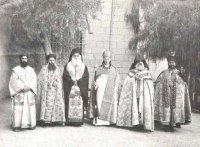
(112, 32)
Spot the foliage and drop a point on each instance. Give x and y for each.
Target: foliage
(48, 15)
(35, 20)
(171, 25)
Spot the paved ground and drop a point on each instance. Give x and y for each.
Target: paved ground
(90, 136)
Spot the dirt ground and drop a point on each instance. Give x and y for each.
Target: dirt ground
(90, 136)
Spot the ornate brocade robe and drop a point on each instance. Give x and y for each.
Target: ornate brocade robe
(136, 101)
(50, 100)
(172, 103)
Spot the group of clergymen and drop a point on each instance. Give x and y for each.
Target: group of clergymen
(55, 98)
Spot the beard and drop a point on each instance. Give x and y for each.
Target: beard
(24, 64)
(51, 66)
(172, 66)
(76, 62)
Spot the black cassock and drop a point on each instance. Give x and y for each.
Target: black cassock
(76, 97)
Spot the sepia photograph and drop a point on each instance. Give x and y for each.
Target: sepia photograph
(99, 73)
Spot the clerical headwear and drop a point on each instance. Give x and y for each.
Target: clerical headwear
(22, 55)
(107, 53)
(74, 51)
(171, 56)
(139, 57)
(51, 56)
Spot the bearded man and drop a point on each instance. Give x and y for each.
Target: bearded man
(50, 102)
(23, 90)
(76, 81)
(105, 93)
(172, 103)
(136, 100)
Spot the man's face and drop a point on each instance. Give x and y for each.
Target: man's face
(51, 65)
(172, 64)
(140, 66)
(24, 61)
(106, 60)
(76, 59)
(52, 61)
(182, 70)
(76, 56)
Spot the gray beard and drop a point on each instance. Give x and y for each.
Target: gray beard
(75, 62)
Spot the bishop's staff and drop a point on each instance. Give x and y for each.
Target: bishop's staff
(94, 99)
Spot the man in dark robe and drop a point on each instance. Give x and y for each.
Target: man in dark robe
(172, 103)
(76, 81)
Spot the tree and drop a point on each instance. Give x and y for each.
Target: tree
(7, 7)
(169, 25)
(34, 20)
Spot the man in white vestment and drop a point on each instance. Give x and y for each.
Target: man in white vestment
(105, 91)
(23, 90)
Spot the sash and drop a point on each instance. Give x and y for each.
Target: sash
(107, 107)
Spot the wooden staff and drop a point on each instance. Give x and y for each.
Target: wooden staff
(95, 98)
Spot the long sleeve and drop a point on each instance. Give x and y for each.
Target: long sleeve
(33, 83)
(83, 84)
(119, 86)
(67, 82)
(15, 84)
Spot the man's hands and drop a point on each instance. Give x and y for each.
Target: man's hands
(96, 85)
(137, 77)
(130, 74)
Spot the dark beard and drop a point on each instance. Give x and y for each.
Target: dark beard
(24, 64)
(51, 67)
(172, 67)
